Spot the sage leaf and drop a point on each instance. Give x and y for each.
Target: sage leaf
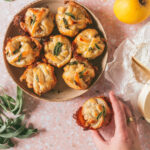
(16, 51)
(12, 133)
(73, 63)
(66, 23)
(102, 113)
(81, 73)
(19, 58)
(37, 78)
(3, 128)
(57, 48)
(18, 121)
(70, 14)
(97, 46)
(27, 133)
(19, 102)
(33, 19)
(5, 143)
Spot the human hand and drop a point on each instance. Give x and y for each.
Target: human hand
(126, 135)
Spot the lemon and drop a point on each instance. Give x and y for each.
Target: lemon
(132, 11)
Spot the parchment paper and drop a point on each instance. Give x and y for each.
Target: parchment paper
(123, 73)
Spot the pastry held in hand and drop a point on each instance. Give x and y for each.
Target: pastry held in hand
(58, 50)
(71, 19)
(95, 113)
(79, 73)
(22, 51)
(40, 77)
(89, 44)
(39, 22)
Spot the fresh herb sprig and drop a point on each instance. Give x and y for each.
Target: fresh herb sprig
(33, 19)
(57, 48)
(103, 113)
(73, 63)
(81, 74)
(66, 23)
(19, 58)
(97, 46)
(12, 127)
(70, 14)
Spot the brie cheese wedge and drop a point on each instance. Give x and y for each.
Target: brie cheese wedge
(144, 101)
(141, 63)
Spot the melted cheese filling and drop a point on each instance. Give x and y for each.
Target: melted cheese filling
(22, 51)
(41, 78)
(89, 44)
(94, 112)
(80, 75)
(71, 19)
(38, 22)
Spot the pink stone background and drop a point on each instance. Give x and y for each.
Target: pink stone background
(58, 129)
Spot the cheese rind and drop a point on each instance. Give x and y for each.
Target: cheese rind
(144, 101)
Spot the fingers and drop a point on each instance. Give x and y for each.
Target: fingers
(119, 114)
(129, 114)
(97, 137)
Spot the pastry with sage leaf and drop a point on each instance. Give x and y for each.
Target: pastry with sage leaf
(89, 44)
(58, 50)
(22, 51)
(40, 77)
(38, 22)
(78, 73)
(95, 113)
(72, 18)
(14, 127)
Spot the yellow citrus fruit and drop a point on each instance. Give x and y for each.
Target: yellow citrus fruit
(132, 11)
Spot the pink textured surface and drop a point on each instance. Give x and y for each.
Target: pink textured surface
(58, 129)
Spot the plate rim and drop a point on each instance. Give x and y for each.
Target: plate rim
(105, 58)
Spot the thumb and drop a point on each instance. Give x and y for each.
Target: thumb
(98, 138)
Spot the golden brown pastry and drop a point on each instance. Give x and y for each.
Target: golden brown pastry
(71, 19)
(78, 74)
(89, 44)
(40, 77)
(58, 50)
(95, 113)
(22, 51)
(39, 22)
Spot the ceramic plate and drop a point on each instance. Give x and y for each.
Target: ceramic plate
(61, 92)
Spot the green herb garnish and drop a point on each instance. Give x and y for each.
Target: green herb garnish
(20, 56)
(12, 127)
(70, 14)
(15, 51)
(73, 63)
(90, 49)
(37, 78)
(57, 48)
(66, 23)
(81, 73)
(97, 46)
(33, 19)
(102, 113)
